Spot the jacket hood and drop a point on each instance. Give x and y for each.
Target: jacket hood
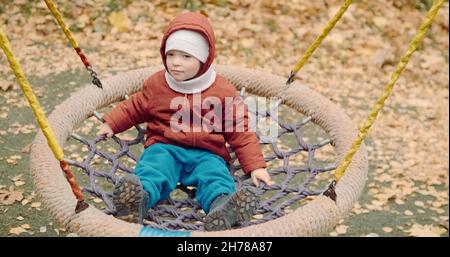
(196, 22)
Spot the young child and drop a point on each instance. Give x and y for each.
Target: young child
(192, 155)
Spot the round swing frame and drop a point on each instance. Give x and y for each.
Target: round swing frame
(315, 218)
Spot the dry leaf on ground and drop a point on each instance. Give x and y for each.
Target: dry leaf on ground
(17, 231)
(9, 197)
(419, 230)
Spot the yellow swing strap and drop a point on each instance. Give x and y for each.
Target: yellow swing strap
(413, 45)
(52, 7)
(318, 41)
(41, 119)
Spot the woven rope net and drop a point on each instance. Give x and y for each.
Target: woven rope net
(291, 207)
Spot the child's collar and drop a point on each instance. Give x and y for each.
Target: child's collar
(192, 86)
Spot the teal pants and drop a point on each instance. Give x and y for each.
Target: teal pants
(162, 166)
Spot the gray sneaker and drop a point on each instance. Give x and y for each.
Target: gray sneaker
(230, 210)
(130, 199)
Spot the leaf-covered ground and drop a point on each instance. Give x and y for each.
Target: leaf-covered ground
(407, 191)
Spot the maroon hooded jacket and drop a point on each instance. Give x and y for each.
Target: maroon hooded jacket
(152, 105)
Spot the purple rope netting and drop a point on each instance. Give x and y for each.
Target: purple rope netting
(185, 213)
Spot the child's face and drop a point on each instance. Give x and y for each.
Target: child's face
(182, 66)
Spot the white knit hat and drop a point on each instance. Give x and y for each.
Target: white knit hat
(190, 42)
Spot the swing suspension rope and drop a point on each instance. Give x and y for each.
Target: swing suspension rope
(330, 191)
(330, 25)
(42, 121)
(379, 104)
(57, 15)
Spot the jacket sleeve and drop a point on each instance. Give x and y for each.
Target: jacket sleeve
(241, 138)
(133, 111)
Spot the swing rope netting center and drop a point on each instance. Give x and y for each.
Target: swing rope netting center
(180, 211)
